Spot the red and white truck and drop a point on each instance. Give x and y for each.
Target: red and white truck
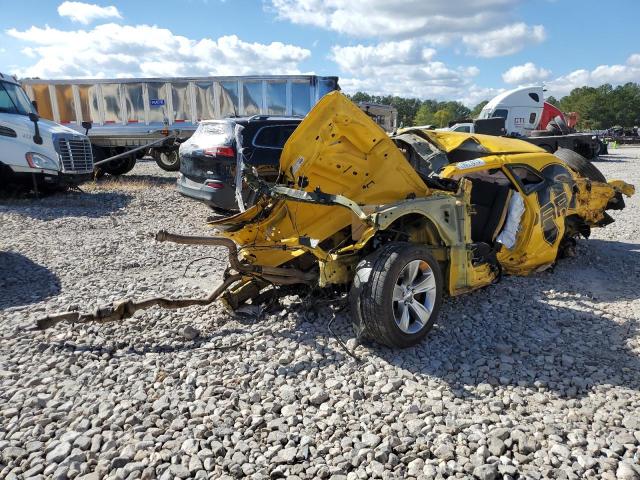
(527, 116)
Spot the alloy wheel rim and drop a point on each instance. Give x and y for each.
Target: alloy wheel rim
(414, 296)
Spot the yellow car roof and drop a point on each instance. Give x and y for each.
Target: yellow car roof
(449, 141)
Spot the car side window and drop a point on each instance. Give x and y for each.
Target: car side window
(273, 136)
(527, 177)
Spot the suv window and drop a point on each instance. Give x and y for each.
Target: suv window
(273, 136)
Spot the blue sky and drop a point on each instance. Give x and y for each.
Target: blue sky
(465, 50)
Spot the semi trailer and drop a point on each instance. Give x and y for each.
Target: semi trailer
(122, 115)
(34, 152)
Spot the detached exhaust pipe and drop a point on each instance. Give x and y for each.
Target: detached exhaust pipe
(125, 309)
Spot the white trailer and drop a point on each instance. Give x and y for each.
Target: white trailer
(34, 152)
(124, 114)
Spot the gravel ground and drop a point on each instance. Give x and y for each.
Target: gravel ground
(536, 377)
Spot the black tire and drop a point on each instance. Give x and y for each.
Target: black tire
(168, 160)
(120, 166)
(116, 167)
(580, 164)
(374, 309)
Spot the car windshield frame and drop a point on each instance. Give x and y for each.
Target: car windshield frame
(18, 98)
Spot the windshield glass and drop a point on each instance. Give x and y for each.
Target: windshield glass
(213, 133)
(14, 100)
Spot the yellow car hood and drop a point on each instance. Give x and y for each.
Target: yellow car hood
(338, 150)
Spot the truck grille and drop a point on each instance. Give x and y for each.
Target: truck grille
(75, 154)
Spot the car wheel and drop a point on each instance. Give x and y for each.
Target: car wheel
(168, 160)
(580, 164)
(396, 295)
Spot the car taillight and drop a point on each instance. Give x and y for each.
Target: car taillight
(220, 152)
(214, 184)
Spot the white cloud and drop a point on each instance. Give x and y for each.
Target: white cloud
(86, 13)
(359, 58)
(405, 68)
(113, 50)
(485, 26)
(393, 18)
(424, 85)
(526, 73)
(504, 41)
(613, 74)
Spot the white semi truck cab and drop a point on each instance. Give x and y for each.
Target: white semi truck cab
(525, 115)
(36, 152)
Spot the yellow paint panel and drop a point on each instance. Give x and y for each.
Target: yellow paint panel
(449, 141)
(340, 150)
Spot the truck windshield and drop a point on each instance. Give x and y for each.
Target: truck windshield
(14, 100)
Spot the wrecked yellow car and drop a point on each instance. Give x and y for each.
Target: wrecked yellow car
(399, 220)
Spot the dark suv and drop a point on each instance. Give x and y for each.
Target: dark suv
(208, 159)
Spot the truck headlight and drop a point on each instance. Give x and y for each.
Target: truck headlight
(37, 160)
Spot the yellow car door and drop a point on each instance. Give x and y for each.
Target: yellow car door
(547, 195)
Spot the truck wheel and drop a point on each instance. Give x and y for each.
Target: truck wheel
(580, 164)
(168, 160)
(396, 295)
(120, 166)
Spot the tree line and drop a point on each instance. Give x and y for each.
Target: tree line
(598, 107)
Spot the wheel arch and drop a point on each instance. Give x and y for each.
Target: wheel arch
(420, 227)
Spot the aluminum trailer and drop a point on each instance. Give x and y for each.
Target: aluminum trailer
(124, 114)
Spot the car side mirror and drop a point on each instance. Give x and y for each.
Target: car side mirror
(35, 105)
(87, 126)
(34, 117)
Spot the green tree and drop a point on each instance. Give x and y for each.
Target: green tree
(443, 117)
(424, 115)
(475, 112)
(457, 110)
(360, 97)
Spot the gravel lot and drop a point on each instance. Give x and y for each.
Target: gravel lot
(536, 377)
